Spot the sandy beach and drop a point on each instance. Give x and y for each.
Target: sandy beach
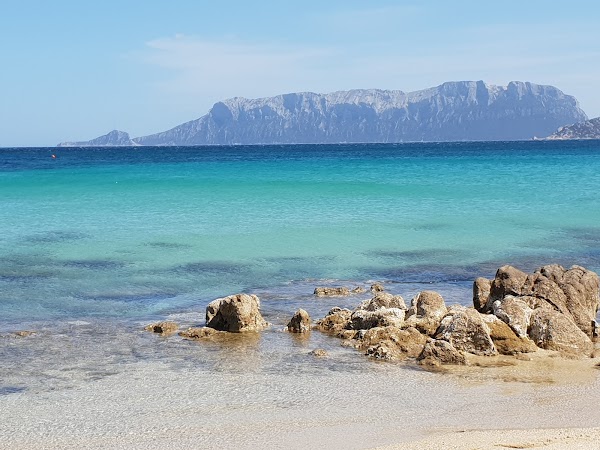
(547, 439)
(545, 402)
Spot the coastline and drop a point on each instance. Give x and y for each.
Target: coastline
(245, 405)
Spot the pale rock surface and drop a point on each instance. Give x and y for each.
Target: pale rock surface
(465, 329)
(552, 330)
(439, 352)
(235, 313)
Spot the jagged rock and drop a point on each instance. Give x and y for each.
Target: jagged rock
(551, 330)
(426, 311)
(363, 320)
(236, 313)
(514, 312)
(465, 330)
(438, 352)
(505, 339)
(481, 293)
(199, 332)
(166, 327)
(383, 300)
(392, 343)
(377, 287)
(573, 292)
(358, 290)
(329, 291)
(318, 352)
(335, 321)
(508, 281)
(300, 322)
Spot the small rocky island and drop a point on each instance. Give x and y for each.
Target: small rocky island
(552, 309)
(590, 129)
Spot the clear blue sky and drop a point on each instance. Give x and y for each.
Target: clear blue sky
(73, 70)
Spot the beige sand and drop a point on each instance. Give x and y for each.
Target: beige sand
(550, 439)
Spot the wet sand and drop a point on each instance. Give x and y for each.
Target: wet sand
(546, 402)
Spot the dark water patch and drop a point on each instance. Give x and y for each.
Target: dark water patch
(426, 274)
(94, 264)
(8, 390)
(432, 254)
(585, 236)
(212, 268)
(51, 237)
(168, 245)
(128, 297)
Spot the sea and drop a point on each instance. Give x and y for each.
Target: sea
(96, 243)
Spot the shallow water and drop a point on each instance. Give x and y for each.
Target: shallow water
(99, 242)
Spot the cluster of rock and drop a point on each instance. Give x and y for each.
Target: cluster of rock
(552, 309)
(515, 313)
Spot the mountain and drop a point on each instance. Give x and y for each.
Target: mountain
(453, 111)
(115, 138)
(590, 129)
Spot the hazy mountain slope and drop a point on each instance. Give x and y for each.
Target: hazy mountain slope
(590, 129)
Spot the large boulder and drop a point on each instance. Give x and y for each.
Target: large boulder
(336, 320)
(506, 341)
(481, 293)
(299, 323)
(552, 330)
(515, 312)
(392, 343)
(573, 292)
(465, 329)
(438, 352)
(236, 313)
(363, 320)
(383, 300)
(426, 311)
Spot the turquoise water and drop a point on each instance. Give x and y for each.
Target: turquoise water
(141, 233)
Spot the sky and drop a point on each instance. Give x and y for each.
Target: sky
(74, 70)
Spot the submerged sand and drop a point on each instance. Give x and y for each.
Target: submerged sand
(546, 402)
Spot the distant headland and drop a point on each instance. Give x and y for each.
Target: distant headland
(452, 111)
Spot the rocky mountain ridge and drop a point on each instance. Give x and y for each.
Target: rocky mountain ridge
(453, 111)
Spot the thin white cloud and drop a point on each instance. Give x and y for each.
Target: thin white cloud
(202, 71)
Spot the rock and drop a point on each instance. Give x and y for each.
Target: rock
(505, 339)
(438, 352)
(335, 321)
(426, 311)
(573, 292)
(199, 332)
(465, 330)
(551, 330)
(392, 343)
(383, 300)
(300, 322)
(329, 291)
(514, 312)
(377, 287)
(363, 320)
(318, 352)
(481, 293)
(358, 290)
(580, 287)
(166, 327)
(236, 313)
